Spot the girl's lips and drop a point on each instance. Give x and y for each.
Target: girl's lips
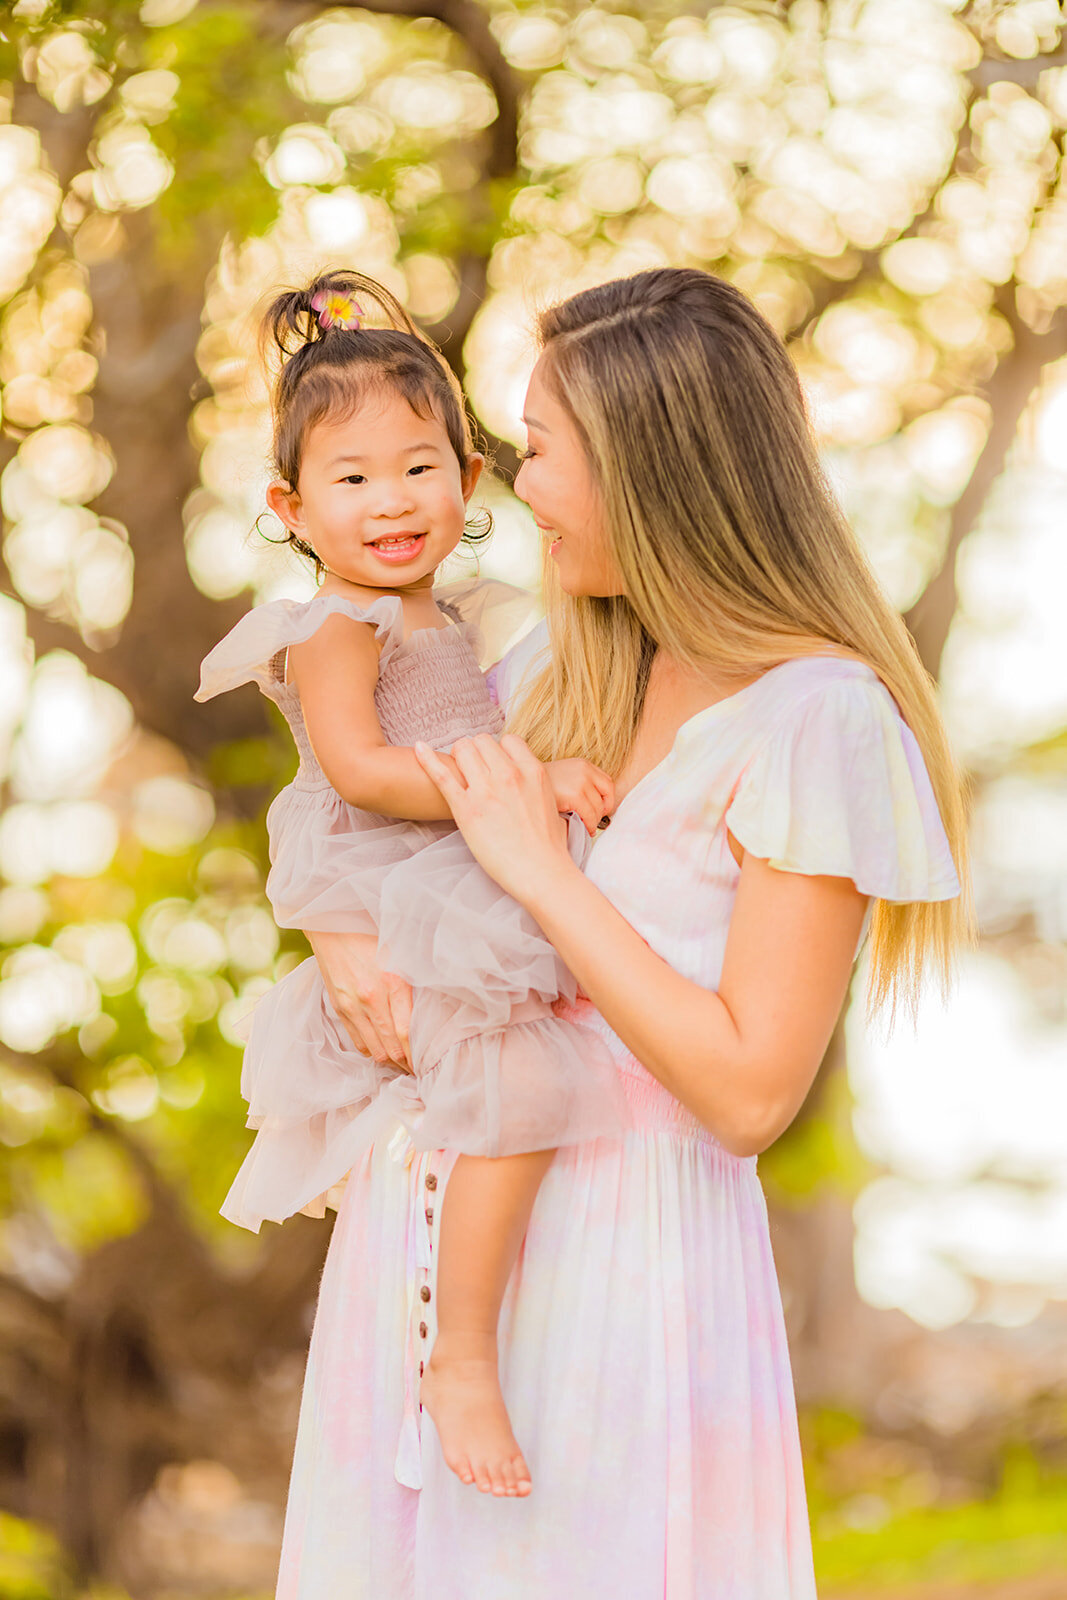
(398, 550)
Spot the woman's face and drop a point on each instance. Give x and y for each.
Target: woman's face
(557, 484)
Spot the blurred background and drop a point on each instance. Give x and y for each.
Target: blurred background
(886, 179)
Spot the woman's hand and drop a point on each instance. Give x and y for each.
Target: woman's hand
(375, 1006)
(503, 804)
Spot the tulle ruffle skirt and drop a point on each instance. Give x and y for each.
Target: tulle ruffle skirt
(497, 1071)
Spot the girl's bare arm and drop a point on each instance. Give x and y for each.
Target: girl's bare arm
(336, 672)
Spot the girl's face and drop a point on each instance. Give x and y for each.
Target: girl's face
(557, 484)
(380, 497)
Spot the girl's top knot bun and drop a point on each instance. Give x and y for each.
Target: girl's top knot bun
(332, 304)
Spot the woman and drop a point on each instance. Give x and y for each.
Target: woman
(719, 645)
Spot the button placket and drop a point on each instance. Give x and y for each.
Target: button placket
(426, 1327)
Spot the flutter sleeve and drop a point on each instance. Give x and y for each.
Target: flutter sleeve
(840, 788)
(253, 651)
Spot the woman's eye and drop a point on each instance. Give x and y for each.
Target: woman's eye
(527, 454)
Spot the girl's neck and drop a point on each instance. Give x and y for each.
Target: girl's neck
(418, 595)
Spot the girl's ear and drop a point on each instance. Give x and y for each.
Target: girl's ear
(475, 463)
(286, 505)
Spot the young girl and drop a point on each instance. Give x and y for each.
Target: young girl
(375, 469)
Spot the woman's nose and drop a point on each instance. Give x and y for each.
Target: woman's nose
(516, 482)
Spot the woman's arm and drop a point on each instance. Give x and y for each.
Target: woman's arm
(742, 1058)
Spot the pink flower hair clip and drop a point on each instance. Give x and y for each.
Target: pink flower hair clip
(337, 309)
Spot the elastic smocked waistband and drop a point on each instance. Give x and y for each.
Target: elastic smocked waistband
(653, 1107)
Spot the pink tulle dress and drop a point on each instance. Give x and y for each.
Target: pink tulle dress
(497, 1072)
(642, 1350)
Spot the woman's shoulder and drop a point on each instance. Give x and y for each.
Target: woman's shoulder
(805, 682)
(833, 781)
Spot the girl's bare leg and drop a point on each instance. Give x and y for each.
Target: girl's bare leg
(486, 1209)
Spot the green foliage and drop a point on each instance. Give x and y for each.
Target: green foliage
(222, 57)
(882, 1519)
(1011, 1535)
(818, 1152)
(31, 1564)
(156, 1068)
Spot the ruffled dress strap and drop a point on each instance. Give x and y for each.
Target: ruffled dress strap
(495, 615)
(253, 651)
(839, 787)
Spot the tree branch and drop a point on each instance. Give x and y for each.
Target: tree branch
(469, 22)
(1009, 392)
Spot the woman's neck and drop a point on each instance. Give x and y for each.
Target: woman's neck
(675, 693)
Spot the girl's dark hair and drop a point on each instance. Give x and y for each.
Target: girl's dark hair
(327, 372)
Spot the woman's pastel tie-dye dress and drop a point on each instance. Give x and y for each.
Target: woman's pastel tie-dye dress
(643, 1352)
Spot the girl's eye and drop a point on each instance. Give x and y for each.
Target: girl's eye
(354, 477)
(424, 468)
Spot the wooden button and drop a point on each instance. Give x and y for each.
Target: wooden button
(431, 1181)
(424, 1292)
(429, 1216)
(423, 1330)
(421, 1368)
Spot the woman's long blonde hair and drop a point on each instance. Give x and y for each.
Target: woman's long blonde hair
(733, 553)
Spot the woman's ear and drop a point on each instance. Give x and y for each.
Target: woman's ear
(475, 463)
(286, 505)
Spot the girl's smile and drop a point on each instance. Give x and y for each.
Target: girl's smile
(398, 548)
(381, 497)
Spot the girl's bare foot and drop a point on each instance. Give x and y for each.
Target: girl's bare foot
(461, 1391)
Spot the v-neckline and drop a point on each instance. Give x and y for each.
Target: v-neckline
(727, 700)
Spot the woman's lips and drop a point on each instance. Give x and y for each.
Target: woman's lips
(398, 548)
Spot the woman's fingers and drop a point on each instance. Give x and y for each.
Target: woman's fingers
(447, 777)
(377, 1018)
(400, 1003)
(519, 751)
(479, 760)
(360, 1027)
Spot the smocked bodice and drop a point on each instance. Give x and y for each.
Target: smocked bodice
(430, 688)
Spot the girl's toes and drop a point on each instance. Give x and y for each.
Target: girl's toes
(462, 1468)
(482, 1479)
(507, 1472)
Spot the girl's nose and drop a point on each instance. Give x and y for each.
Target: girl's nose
(393, 499)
